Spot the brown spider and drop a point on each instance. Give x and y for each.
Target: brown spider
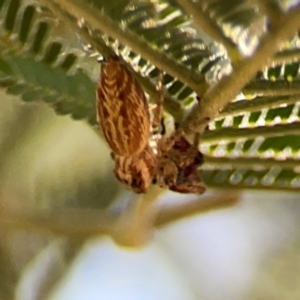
(141, 155)
(170, 162)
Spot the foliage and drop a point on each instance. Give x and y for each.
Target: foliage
(240, 58)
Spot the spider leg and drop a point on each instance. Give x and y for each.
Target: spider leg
(163, 126)
(167, 172)
(166, 144)
(192, 155)
(180, 151)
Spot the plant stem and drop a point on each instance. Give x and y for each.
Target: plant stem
(170, 214)
(132, 227)
(71, 222)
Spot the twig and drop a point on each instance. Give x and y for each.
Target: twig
(71, 222)
(135, 228)
(132, 227)
(217, 97)
(167, 215)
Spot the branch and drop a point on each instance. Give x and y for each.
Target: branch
(217, 97)
(233, 134)
(72, 222)
(167, 214)
(133, 227)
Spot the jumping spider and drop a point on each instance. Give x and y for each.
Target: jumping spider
(170, 162)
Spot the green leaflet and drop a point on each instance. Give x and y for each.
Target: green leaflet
(37, 81)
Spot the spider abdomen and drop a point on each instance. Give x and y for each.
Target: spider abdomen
(137, 171)
(122, 109)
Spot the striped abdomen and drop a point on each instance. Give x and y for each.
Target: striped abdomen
(122, 110)
(137, 171)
